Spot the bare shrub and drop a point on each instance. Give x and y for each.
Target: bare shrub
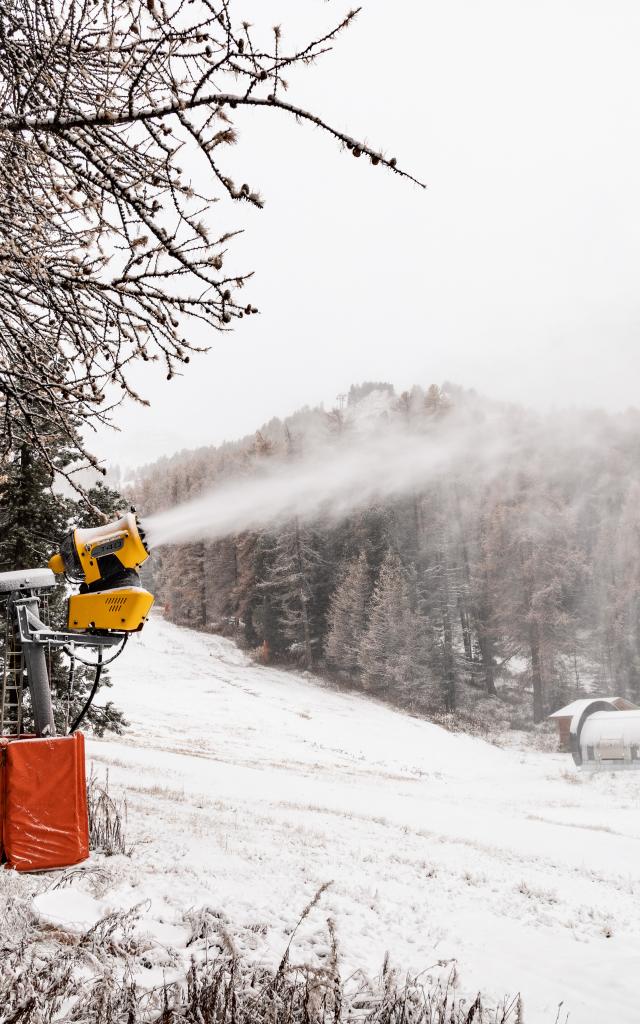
(106, 818)
(16, 915)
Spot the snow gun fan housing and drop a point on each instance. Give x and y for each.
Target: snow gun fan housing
(105, 562)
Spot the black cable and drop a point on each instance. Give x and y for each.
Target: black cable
(94, 689)
(96, 682)
(93, 664)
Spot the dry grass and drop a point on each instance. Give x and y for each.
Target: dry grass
(107, 818)
(96, 978)
(224, 991)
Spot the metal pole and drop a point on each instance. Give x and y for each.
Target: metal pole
(37, 674)
(38, 680)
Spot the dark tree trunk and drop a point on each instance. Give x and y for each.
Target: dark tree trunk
(447, 641)
(449, 673)
(486, 654)
(20, 551)
(304, 612)
(536, 674)
(465, 626)
(203, 586)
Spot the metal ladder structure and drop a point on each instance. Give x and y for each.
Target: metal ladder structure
(13, 670)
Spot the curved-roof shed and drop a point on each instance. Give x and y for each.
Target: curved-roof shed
(577, 706)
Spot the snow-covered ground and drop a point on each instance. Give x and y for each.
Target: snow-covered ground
(248, 788)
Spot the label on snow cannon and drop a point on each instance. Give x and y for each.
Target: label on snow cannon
(43, 803)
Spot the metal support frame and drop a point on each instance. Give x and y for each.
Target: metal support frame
(35, 637)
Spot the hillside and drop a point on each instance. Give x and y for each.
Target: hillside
(248, 788)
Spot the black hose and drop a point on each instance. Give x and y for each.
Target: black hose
(89, 701)
(92, 664)
(96, 682)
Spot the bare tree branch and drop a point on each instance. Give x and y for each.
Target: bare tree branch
(106, 253)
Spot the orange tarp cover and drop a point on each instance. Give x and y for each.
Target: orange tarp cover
(43, 802)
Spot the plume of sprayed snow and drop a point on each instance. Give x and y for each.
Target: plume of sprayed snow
(332, 480)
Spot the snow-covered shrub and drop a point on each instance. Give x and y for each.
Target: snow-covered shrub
(106, 818)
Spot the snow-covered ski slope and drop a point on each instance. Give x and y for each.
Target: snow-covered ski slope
(248, 788)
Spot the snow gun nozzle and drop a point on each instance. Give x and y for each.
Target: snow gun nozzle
(142, 534)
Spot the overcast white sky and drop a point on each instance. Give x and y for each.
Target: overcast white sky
(517, 272)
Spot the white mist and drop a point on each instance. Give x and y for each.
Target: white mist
(330, 480)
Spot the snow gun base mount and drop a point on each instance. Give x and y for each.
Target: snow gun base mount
(111, 605)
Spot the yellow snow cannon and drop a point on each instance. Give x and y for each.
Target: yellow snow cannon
(105, 561)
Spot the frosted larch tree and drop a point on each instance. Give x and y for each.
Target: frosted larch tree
(347, 619)
(389, 651)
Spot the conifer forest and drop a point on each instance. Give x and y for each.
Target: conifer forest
(480, 597)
